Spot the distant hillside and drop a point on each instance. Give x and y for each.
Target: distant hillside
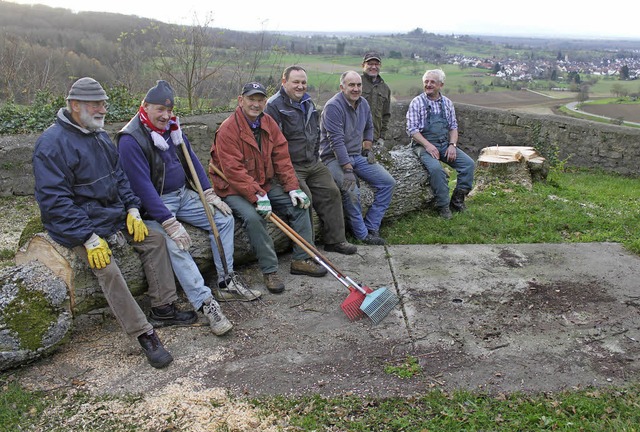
(45, 49)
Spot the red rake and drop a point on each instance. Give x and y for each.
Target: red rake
(361, 300)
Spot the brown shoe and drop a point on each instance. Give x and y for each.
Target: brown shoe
(307, 267)
(344, 248)
(273, 282)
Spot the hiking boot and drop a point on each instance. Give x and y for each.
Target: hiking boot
(273, 282)
(218, 322)
(307, 267)
(344, 248)
(157, 356)
(445, 212)
(457, 200)
(168, 315)
(374, 239)
(234, 290)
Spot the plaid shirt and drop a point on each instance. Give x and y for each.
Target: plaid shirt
(417, 112)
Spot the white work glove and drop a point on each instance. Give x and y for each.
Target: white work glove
(299, 199)
(217, 202)
(263, 206)
(178, 234)
(176, 133)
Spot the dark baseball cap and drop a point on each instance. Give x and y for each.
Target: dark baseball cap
(253, 88)
(372, 55)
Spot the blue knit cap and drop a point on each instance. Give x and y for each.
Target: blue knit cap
(161, 94)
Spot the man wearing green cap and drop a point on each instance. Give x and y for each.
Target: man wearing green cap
(86, 203)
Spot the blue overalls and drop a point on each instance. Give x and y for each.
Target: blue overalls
(436, 131)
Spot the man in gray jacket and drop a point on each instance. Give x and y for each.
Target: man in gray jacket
(346, 133)
(297, 117)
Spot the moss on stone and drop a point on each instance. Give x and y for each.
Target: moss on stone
(29, 315)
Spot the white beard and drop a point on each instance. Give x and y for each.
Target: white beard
(89, 122)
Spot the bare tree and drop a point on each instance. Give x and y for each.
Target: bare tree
(189, 61)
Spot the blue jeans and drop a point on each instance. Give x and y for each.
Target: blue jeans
(256, 226)
(186, 206)
(463, 165)
(382, 184)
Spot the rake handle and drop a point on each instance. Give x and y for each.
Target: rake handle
(207, 210)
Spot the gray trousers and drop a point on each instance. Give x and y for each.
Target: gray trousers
(159, 274)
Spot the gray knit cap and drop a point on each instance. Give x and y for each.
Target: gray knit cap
(87, 89)
(161, 94)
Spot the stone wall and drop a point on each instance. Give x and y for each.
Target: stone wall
(581, 143)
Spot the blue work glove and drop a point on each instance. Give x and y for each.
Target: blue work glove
(299, 199)
(263, 206)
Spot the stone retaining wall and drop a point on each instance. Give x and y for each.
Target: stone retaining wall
(581, 143)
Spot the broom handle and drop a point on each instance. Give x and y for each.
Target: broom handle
(290, 233)
(317, 252)
(304, 244)
(207, 209)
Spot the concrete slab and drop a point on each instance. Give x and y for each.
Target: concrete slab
(496, 318)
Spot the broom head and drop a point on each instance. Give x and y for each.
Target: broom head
(378, 304)
(351, 306)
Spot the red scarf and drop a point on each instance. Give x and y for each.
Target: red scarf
(173, 125)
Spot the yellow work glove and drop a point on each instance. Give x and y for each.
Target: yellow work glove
(98, 252)
(135, 225)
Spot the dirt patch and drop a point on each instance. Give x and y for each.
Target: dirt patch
(626, 112)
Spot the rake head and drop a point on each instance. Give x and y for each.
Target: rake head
(378, 304)
(351, 305)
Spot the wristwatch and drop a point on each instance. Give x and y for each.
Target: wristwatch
(453, 144)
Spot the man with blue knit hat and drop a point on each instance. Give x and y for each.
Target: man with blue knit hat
(160, 176)
(86, 203)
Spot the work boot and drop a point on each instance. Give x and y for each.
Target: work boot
(457, 200)
(307, 267)
(234, 290)
(445, 212)
(218, 322)
(168, 315)
(344, 248)
(273, 282)
(157, 356)
(373, 238)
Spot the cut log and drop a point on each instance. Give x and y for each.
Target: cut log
(34, 315)
(500, 165)
(412, 193)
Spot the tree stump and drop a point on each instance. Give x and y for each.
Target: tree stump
(512, 164)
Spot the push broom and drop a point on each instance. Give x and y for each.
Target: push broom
(361, 300)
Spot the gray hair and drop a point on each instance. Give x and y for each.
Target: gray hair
(439, 73)
(344, 75)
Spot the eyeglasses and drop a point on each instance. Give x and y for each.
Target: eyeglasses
(97, 105)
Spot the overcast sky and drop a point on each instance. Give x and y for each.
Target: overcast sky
(548, 18)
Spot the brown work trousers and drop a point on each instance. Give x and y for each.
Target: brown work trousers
(158, 271)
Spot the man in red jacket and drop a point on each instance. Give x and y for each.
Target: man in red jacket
(253, 155)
